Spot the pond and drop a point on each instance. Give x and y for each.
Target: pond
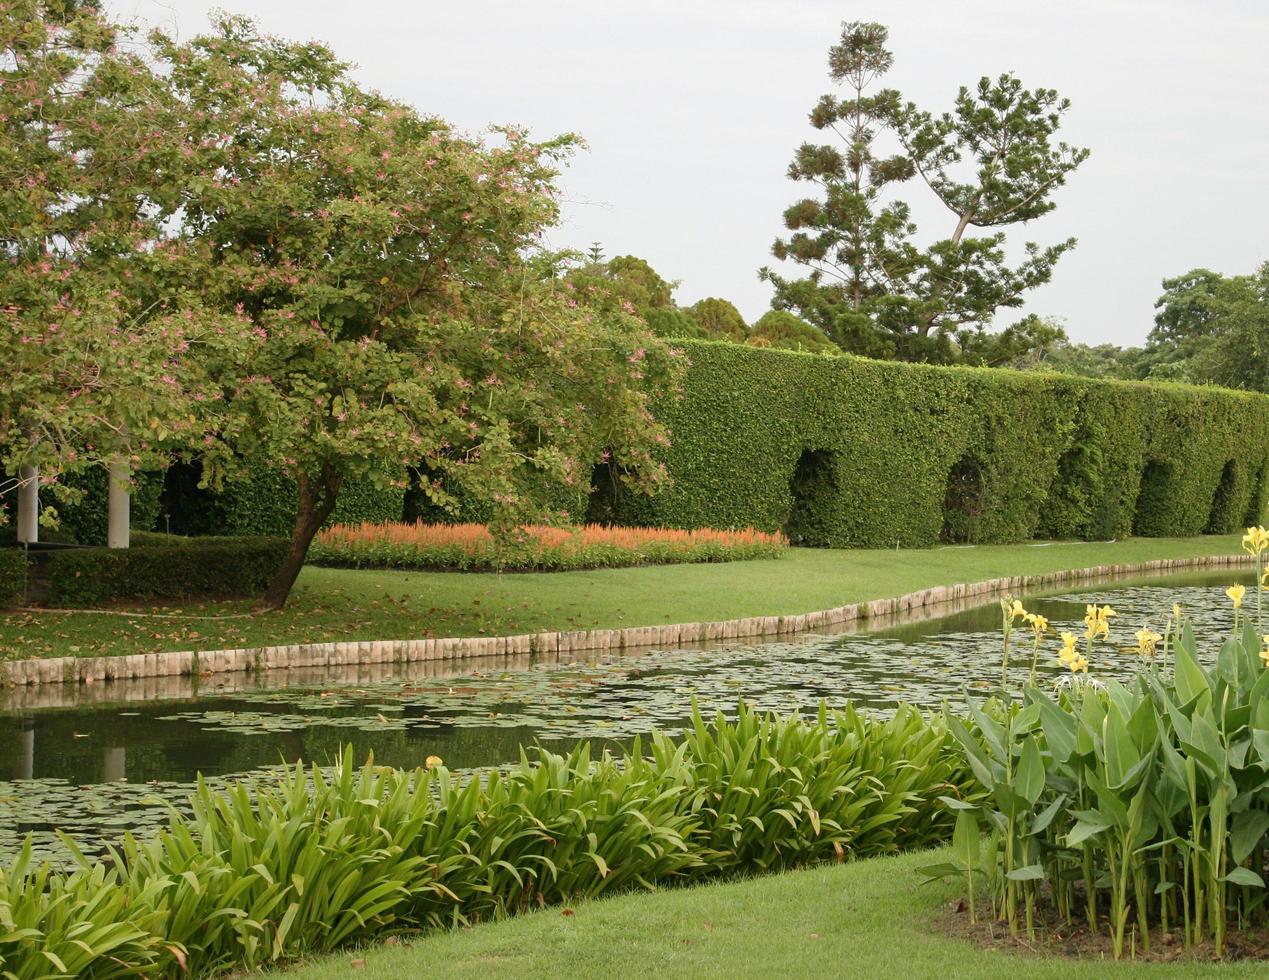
(97, 769)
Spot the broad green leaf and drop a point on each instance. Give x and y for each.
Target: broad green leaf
(1245, 876)
(1248, 830)
(1029, 778)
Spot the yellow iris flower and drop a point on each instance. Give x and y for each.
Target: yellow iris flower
(1236, 593)
(1039, 624)
(1016, 611)
(1068, 651)
(1256, 540)
(1078, 664)
(1147, 640)
(1097, 622)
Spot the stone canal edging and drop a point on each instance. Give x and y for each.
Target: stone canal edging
(88, 670)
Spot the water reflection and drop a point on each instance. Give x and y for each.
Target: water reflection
(101, 758)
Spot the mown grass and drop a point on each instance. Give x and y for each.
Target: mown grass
(871, 918)
(348, 604)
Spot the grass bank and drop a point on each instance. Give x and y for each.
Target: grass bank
(866, 919)
(348, 604)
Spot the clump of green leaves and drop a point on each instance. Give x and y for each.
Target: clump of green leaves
(1141, 809)
(309, 860)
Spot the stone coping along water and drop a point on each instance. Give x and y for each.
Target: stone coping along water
(190, 663)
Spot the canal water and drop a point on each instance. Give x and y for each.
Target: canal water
(96, 767)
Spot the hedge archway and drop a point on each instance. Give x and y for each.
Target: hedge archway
(1223, 517)
(963, 501)
(811, 486)
(1150, 515)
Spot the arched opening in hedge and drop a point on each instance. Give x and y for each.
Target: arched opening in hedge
(1256, 504)
(604, 500)
(1150, 517)
(1223, 516)
(963, 501)
(812, 484)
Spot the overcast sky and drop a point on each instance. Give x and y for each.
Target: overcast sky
(692, 110)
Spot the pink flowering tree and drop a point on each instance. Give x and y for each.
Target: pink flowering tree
(98, 364)
(387, 275)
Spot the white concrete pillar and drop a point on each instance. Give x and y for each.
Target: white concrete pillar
(119, 505)
(28, 505)
(26, 753)
(114, 765)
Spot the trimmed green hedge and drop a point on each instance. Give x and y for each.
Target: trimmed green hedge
(12, 575)
(84, 521)
(264, 505)
(202, 567)
(843, 451)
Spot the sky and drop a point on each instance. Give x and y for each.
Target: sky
(691, 111)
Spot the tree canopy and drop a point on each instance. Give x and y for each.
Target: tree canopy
(101, 363)
(1211, 328)
(992, 161)
(372, 282)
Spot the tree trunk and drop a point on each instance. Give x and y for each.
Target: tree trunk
(317, 500)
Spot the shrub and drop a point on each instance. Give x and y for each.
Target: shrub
(12, 574)
(471, 547)
(264, 505)
(202, 567)
(85, 519)
(307, 861)
(1047, 455)
(1142, 806)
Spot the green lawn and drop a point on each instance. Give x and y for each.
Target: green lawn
(331, 604)
(869, 919)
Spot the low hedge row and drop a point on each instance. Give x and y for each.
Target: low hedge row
(309, 861)
(12, 575)
(844, 451)
(199, 567)
(264, 505)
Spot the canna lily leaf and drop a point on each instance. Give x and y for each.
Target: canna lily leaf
(1058, 726)
(939, 872)
(1084, 829)
(1192, 681)
(1032, 872)
(1041, 823)
(1029, 779)
(1245, 876)
(1248, 830)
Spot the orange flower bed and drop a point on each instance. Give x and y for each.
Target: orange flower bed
(535, 547)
